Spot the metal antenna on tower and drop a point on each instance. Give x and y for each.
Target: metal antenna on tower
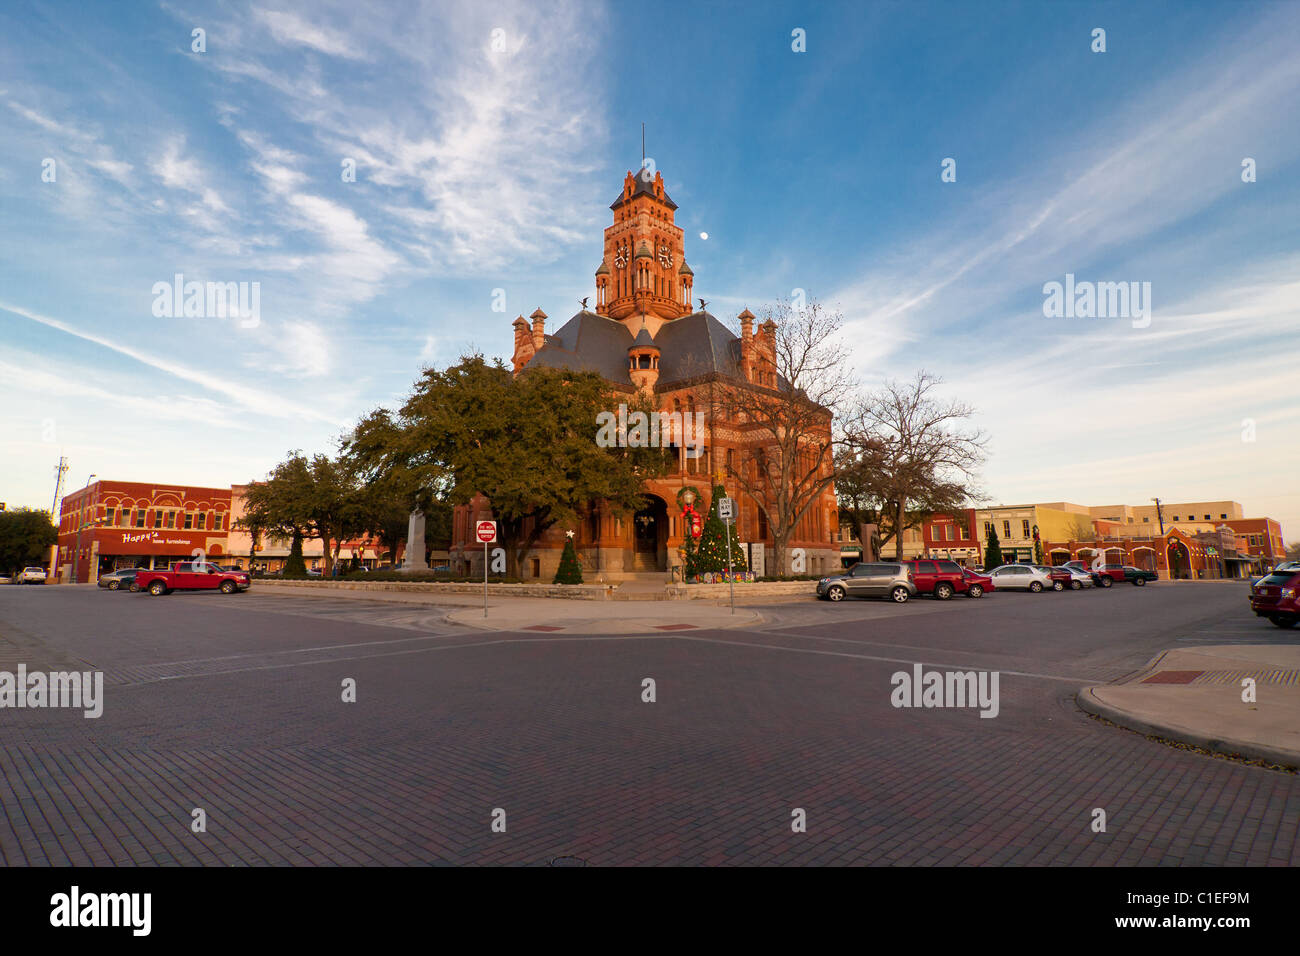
(59, 471)
(643, 145)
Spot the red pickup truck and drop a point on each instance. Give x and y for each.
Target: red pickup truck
(192, 576)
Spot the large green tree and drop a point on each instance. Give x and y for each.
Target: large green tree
(280, 506)
(527, 442)
(26, 537)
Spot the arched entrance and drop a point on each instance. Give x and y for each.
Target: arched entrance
(1180, 561)
(1144, 558)
(650, 536)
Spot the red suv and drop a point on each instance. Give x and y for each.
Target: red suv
(941, 578)
(1276, 596)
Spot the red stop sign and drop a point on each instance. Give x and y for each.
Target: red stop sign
(486, 531)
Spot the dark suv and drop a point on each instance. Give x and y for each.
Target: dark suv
(1276, 596)
(941, 578)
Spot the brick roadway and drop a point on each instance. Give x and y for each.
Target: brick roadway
(232, 704)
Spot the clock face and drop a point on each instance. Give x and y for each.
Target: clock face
(665, 256)
(620, 257)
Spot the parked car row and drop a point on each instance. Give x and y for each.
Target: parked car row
(901, 581)
(181, 576)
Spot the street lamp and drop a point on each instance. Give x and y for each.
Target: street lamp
(76, 551)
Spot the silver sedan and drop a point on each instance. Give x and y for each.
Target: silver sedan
(1020, 577)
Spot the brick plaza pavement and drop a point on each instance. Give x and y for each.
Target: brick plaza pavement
(243, 718)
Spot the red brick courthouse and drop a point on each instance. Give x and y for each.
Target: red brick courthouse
(644, 335)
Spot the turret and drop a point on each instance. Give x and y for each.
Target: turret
(643, 361)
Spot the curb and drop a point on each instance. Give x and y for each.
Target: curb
(640, 630)
(1225, 746)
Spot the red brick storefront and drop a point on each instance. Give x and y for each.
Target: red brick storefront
(125, 524)
(1172, 555)
(952, 537)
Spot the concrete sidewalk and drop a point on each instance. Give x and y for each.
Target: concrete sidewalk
(572, 617)
(1195, 697)
(551, 615)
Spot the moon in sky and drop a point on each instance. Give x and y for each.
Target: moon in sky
(704, 235)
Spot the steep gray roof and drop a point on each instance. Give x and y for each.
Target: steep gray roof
(643, 340)
(689, 347)
(696, 345)
(643, 187)
(588, 343)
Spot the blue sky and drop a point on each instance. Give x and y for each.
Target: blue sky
(482, 169)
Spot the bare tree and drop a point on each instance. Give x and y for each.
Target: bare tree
(1080, 529)
(915, 454)
(783, 410)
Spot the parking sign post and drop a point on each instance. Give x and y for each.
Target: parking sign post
(727, 512)
(487, 533)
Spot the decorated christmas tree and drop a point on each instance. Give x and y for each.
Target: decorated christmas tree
(570, 571)
(711, 555)
(992, 551)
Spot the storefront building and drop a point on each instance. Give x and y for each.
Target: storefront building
(953, 537)
(1176, 554)
(110, 525)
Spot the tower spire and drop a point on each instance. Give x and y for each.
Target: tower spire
(643, 145)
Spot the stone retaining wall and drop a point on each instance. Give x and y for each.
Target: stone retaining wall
(576, 592)
(572, 592)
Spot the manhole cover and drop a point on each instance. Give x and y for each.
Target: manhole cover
(568, 861)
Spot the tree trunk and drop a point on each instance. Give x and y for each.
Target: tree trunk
(898, 529)
(779, 542)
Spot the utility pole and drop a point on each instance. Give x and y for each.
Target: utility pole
(60, 470)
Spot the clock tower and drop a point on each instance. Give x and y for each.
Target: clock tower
(643, 279)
